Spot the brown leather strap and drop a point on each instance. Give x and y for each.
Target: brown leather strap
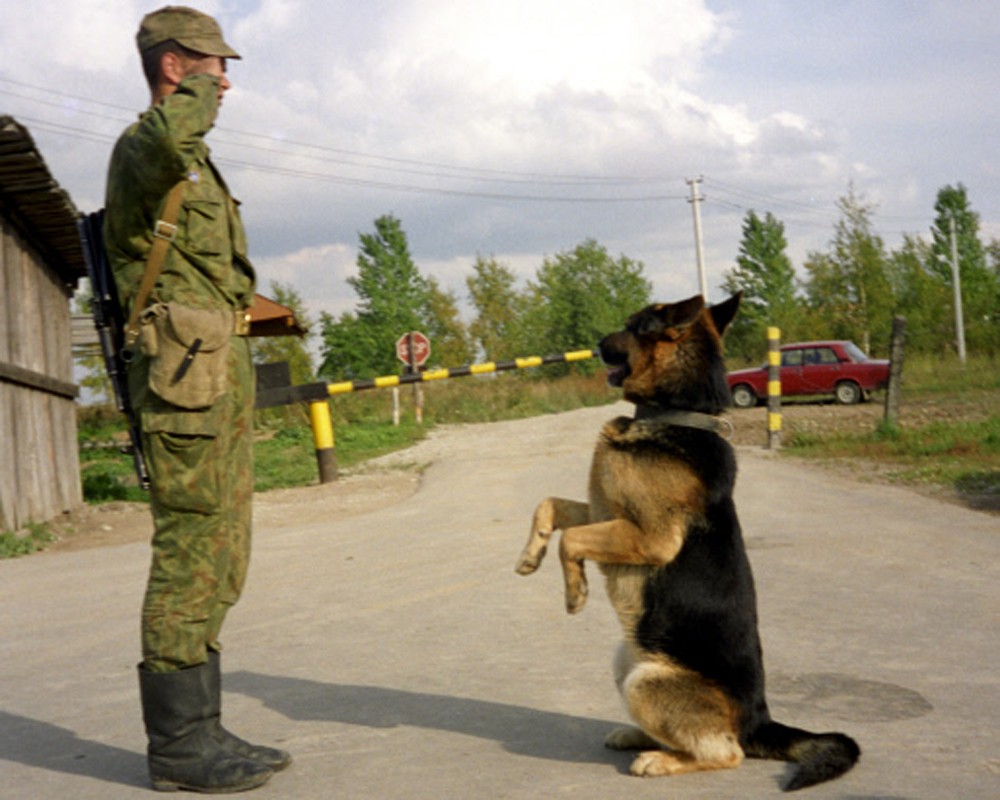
(164, 232)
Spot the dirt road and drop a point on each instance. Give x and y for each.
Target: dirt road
(391, 479)
(385, 639)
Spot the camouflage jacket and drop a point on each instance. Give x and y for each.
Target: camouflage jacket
(207, 266)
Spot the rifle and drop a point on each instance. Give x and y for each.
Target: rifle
(110, 323)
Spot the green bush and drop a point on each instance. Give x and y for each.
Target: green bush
(37, 538)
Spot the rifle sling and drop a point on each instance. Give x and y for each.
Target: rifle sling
(164, 233)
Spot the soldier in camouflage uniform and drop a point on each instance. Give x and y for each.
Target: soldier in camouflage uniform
(199, 459)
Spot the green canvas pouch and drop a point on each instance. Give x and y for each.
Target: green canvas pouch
(188, 350)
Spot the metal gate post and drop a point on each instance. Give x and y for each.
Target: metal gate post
(773, 388)
(322, 428)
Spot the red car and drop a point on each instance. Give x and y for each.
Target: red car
(837, 368)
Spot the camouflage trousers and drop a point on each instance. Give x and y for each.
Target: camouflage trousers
(201, 474)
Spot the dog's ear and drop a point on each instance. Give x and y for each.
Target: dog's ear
(650, 321)
(669, 320)
(686, 311)
(723, 313)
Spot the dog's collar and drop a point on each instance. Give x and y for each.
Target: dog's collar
(685, 419)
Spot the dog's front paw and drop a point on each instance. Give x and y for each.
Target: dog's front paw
(576, 597)
(529, 560)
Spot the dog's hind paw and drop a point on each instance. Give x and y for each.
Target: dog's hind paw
(654, 763)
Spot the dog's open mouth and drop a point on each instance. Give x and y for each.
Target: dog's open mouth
(617, 374)
(615, 358)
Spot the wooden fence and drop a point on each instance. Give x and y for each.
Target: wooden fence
(40, 260)
(39, 468)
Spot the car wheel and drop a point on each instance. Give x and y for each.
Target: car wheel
(744, 397)
(848, 393)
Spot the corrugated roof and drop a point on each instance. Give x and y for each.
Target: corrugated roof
(34, 203)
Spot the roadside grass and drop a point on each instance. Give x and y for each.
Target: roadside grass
(961, 455)
(107, 474)
(285, 456)
(950, 436)
(284, 452)
(36, 536)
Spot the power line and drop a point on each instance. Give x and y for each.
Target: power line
(326, 177)
(452, 173)
(419, 166)
(800, 206)
(77, 133)
(67, 130)
(752, 193)
(282, 147)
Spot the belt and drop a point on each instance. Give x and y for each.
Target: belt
(241, 323)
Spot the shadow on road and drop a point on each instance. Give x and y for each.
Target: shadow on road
(49, 747)
(519, 729)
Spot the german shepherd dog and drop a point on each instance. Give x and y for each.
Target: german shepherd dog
(662, 528)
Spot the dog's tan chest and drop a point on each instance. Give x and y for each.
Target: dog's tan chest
(659, 494)
(624, 584)
(655, 491)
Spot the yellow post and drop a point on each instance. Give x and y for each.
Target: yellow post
(322, 428)
(773, 388)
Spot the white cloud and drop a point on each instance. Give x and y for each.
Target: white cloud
(766, 101)
(318, 273)
(49, 34)
(270, 21)
(484, 83)
(524, 48)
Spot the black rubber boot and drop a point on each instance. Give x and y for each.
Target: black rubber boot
(271, 757)
(182, 752)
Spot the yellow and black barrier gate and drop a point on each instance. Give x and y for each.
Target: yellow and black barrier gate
(273, 389)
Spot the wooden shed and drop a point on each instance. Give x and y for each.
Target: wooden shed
(40, 263)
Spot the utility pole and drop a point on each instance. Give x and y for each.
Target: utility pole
(957, 285)
(695, 199)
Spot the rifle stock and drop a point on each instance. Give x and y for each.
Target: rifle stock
(109, 320)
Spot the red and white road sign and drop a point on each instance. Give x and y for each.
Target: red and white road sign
(421, 348)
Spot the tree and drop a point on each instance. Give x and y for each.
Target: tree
(979, 284)
(920, 296)
(765, 275)
(848, 289)
(451, 345)
(497, 304)
(344, 340)
(580, 296)
(293, 349)
(95, 377)
(993, 256)
(393, 298)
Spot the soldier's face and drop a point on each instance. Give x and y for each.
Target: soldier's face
(211, 65)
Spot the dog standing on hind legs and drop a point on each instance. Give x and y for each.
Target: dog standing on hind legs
(661, 526)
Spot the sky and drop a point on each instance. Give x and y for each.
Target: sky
(518, 130)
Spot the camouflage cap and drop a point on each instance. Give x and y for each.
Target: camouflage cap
(192, 29)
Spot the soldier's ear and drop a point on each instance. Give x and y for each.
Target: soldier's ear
(723, 313)
(172, 68)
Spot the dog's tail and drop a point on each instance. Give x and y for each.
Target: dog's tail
(818, 756)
